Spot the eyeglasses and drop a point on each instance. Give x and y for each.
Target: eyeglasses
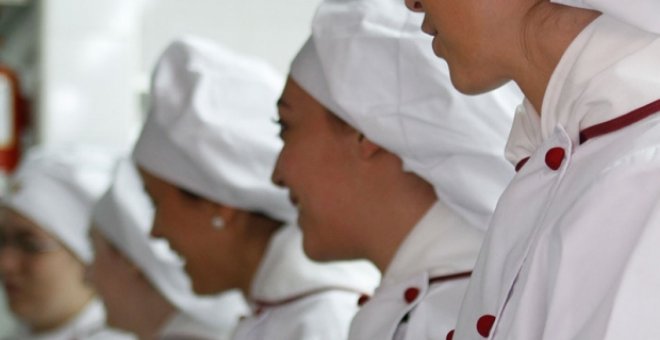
(28, 244)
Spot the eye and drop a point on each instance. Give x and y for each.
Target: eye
(283, 126)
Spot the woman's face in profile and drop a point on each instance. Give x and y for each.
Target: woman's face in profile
(185, 221)
(43, 281)
(474, 37)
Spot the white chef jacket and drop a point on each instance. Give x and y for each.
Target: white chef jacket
(294, 299)
(88, 324)
(573, 245)
(422, 289)
(182, 326)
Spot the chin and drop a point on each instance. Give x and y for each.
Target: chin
(316, 253)
(471, 82)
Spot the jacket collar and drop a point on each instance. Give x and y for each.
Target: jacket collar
(286, 273)
(592, 84)
(441, 243)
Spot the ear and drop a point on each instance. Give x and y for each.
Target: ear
(367, 148)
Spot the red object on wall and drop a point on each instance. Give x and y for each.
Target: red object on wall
(13, 119)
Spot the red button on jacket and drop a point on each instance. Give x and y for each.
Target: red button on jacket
(484, 325)
(554, 157)
(363, 299)
(410, 294)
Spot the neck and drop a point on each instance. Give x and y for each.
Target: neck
(151, 315)
(547, 31)
(151, 325)
(254, 249)
(401, 204)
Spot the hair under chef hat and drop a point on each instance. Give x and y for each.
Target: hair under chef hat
(56, 188)
(210, 128)
(640, 13)
(124, 216)
(370, 64)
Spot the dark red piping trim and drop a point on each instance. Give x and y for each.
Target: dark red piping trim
(619, 122)
(521, 163)
(444, 278)
(268, 304)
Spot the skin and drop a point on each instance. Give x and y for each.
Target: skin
(131, 302)
(487, 43)
(217, 260)
(335, 176)
(45, 290)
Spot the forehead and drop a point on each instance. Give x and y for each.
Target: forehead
(298, 106)
(153, 184)
(296, 99)
(14, 222)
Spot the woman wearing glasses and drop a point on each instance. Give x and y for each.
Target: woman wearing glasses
(44, 245)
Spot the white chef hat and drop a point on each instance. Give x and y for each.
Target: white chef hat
(124, 216)
(56, 188)
(640, 13)
(370, 64)
(210, 128)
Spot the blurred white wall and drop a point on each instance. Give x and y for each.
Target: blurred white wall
(96, 56)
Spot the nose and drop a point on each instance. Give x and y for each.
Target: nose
(276, 177)
(156, 225)
(415, 5)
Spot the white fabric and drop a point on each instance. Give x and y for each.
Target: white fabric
(368, 62)
(640, 13)
(569, 252)
(88, 324)
(210, 127)
(57, 187)
(301, 299)
(285, 260)
(181, 326)
(124, 216)
(436, 247)
(322, 316)
(582, 93)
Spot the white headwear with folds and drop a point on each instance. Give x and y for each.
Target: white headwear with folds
(210, 128)
(56, 188)
(370, 64)
(641, 13)
(124, 216)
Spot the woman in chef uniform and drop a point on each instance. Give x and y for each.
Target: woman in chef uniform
(206, 153)
(141, 281)
(571, 252)
(371, 124)
(44, 245)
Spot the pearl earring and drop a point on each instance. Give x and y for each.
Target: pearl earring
(217, 222)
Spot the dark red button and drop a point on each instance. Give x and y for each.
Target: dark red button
(450, 335)
(363, 299)
(554, 157)
(411, 294)
(484, 325)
